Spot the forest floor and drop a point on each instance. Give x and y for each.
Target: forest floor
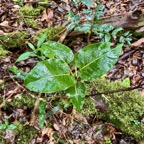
(21, 22)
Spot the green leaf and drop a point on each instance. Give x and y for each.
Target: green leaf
(87, 14)
(11, 127)
(18, 73)
(6, 122)
(115, 31)
(121, 39)
(41, 40)
(97, 15)
(71, 15)
(87, 2)
(53, 49)
(25, 56)
(2, 126)
(126, 33)
(49, 76)
(107, 27)
(84, 27)
(126, 82)
(31, 46)
(74, 18)
(76, 94)
(95, 60)
(71, 26)
(41, 107)
(100, 7)
(96, 28)
(107, 37)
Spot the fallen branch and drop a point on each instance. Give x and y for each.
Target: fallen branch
(116, 91)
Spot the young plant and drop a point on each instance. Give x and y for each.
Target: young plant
(68, 72)
(36, 51)
(7, 126)
(106, 32)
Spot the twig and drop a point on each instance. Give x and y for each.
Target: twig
(89, 34)
(3, 103)
(115, 91)
(33, 115)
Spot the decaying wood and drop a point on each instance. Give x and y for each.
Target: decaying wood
(130, 20)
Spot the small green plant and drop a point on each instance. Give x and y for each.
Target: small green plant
(64, 71)
(41, 107)
(7, 126)
(108, 141)
(106, 32)
(36, 51)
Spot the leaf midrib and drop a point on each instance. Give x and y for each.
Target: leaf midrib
(94, 60)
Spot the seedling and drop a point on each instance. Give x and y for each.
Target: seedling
(64, 71)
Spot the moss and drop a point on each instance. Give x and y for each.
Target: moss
(89, 107)
(14, 39)
(25, 133)
(123, 107)
(23, 100)
(30, 11)
(2, 141)
(32, 23)
(51, 33)
(3, 52)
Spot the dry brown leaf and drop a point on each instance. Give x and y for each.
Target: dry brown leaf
(4, 23)
(47, 15)
(112, 10)
(47, 131)
(56, 127)
(138, 43)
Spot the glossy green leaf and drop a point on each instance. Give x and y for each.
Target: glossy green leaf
(41, 107)
(49, 76)
(53, 49)
(25, 56)
(95, 60)
(41, 40)
(31, 46)
(87, 2)
(76, 94)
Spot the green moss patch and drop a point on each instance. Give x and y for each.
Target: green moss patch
(52, 33)
(124, 108)
(25, 133)
(23, 100)
(30, 11)
(14, 39)
(3, 52)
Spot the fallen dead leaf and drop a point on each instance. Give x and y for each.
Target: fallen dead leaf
(138, 43)
(56, 127)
